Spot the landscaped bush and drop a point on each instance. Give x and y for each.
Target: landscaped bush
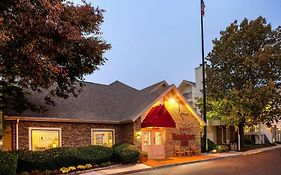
(125, 153)
(221, 148)
(62, 157)
(8, 163)
(29, 160)
(96, 154)
(65, 156)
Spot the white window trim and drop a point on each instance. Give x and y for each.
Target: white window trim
(43, 129)
(103, 129)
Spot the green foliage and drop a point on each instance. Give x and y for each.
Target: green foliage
(28, 160)
(221, 148)
(217, 109)
(125, 153)
(64, 156)
(61, 157)
(47, 45)
(105, 164)
(96, 154)
(8, 163)
(243, 79)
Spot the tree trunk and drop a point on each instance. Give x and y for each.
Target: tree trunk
(241, 133)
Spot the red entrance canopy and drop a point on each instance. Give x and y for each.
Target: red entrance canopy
(158, 116)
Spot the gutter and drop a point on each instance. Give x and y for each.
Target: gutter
(221, 134)
(65, 120)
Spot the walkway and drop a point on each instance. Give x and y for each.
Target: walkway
(155, 164)
(178, 160)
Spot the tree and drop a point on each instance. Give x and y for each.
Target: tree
(47, 45)
(245, 73)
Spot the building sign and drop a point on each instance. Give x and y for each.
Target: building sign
(183, 137)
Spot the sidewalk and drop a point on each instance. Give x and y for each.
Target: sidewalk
(154, 164)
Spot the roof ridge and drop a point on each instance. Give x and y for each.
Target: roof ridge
(155, 86)
(93, 83)
(121, 83)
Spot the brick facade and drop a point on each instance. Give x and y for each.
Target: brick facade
(75, 134)
(186, 124)
(72, 134)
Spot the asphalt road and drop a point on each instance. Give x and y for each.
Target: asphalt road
(266, 163)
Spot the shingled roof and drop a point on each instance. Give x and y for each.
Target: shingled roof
(116, 102)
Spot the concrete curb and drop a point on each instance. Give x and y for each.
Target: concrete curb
(251, 152)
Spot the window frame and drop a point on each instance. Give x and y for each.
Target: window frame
(149, 135)
(42, 129)
(102, 130)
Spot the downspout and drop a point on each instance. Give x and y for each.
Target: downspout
(17, 134)
(238, 134)
(259, 125)
(221, 134)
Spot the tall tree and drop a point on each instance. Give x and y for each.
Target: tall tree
(245, 73)
(47, 44)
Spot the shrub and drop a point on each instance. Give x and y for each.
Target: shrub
(61, 157)
(49, 159)
(64, 170)
(64, 156)
(125, 153)
(221, 148)
(95, 154)
(28, 160)
(88, 166)
(8, 163)
(105, 164)
(80, 167)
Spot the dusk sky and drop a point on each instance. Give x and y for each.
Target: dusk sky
(155, 40)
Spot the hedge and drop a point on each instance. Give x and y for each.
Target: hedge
(62, 157)
(8, 163)
(125, 153)
(95, 154)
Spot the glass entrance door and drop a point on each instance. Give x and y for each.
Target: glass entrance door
(153, 143)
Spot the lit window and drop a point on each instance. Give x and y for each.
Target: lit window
(44, 138)
(103, 137)
(146, 138)
(157, 138)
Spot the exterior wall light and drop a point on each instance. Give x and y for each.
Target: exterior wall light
(172, 101)
(138, 134)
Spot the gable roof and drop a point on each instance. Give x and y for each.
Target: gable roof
(113, 103)
(186, 82)
(99, 103)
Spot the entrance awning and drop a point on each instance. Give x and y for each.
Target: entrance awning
(158, 116)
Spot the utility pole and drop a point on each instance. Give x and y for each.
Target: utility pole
(205, 143)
